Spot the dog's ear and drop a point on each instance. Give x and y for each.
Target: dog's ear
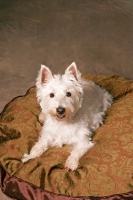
(46, 74)
(72, 70)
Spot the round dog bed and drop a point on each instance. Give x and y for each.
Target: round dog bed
(104, 172)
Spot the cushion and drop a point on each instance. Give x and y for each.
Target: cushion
(105, 171)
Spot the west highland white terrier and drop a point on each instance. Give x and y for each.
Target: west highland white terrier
(72, 109)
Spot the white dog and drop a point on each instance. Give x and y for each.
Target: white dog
(72, 109)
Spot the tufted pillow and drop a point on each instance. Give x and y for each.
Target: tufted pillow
(105, 171)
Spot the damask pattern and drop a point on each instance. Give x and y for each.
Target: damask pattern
(105, 169)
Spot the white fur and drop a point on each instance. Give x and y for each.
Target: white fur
(84, 112)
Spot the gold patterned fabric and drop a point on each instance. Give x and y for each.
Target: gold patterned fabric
(105, 169)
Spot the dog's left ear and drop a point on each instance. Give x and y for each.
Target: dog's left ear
(72, 70)
(45, 74)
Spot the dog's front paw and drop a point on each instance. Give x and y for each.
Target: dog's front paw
(25, 158)
(71, 164)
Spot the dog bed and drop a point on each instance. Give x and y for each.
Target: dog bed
(104, 172)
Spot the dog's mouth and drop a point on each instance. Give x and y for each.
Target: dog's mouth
(61, 116)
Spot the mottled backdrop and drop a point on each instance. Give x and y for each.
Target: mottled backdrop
(97, 35)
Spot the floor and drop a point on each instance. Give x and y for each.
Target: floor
(3, 196)
(97, 35)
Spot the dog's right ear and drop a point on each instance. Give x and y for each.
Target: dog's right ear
(46, 74)
(73, 71)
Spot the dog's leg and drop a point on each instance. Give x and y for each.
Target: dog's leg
(41, 117)
(36, 151)
(78, 151)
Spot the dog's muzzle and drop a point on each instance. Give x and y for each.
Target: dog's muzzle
(61, 112)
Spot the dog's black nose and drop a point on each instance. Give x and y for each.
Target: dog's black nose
(60, 110)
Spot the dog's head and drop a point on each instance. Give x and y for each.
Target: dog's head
(59, 95)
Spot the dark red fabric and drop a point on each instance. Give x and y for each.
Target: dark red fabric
(19, 189)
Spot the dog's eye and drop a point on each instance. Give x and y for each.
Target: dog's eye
(68, 94)
(51, 95)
